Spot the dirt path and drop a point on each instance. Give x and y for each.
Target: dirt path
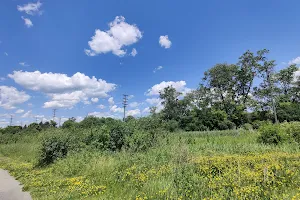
(10, 189)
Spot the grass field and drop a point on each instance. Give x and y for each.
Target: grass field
(183, 165)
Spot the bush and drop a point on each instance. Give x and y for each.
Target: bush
(118, 132)
(99, 138)
(272, 134)
(171, 125)
(56, 146)
(247, 127)
(140, 141)
(293, 131)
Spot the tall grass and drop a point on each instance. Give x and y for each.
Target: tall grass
(182, 165)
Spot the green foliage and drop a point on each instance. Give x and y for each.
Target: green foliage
(272, 134)
(118, 132)
(99, 138)
(53, 148)
(293, 130)
(247, 127)
(11, 130)
(69, 124)
(171, 125)
(140, 141)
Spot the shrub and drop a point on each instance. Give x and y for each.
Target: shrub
(140, 141)
(56, 146)
(247, 127)
(99, 138)
(118, 132)
(272, 134)
(171, 125)
(293, 130)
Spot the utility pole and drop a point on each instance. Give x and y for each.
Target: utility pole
(36, 119)
(11, 119)
(125, 103)
(59, 122)
(54, 113)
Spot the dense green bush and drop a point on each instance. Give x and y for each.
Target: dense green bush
(11, 130)
(171, 125)
(272, 134)
(57, 146)
(118, 132)
(247, 127)
(140, 141)
(293, 130)
(99, 138)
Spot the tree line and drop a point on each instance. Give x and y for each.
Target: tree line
(232, 95)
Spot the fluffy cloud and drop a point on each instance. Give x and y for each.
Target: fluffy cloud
(27, 22)
(94, 100)
(101, 106)
(27, 114)
(296, 75)
(295, 61)
(180, 86)
(134, 104)
(164, 41)
(111, 101)
(133, 112)
(133, 52)
(10, 97)
(116, 109)
(64, 91)
(146, 110)
(120, 34)
(157, 68)
(102, 114)
(153, 101)
(31, 8)
(19, 111)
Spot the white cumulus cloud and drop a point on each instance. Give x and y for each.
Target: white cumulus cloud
(94, 100)
(111, 101)
(101, 106)
(295, 61)
(134, 104)
(120, 34)
(63, 90)
(27, 114)
(27, 22)
(19, 111)
(30, 8)
(116, 109)
(133, 112)
(180, 86)
(164, 41)
(10, 97)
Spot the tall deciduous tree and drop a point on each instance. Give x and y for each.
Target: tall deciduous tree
(170, 100)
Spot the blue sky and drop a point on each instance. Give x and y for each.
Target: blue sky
(50, 50)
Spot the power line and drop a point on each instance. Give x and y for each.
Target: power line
(125, 103)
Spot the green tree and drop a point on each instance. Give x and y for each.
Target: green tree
(169, 97)
(285, 78)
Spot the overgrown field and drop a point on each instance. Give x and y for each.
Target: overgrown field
(182, 165)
